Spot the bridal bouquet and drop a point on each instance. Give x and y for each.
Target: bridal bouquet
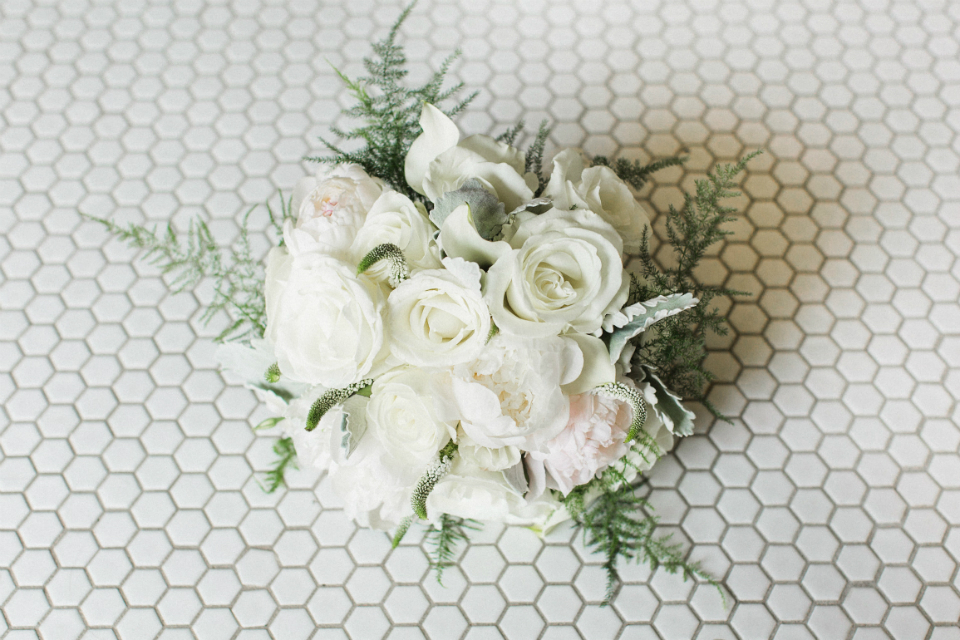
(449, 330)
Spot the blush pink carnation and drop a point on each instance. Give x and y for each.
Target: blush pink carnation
(593, 438)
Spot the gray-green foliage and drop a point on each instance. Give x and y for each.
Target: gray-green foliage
(487, 212)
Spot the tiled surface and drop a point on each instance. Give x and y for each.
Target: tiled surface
(830, 506)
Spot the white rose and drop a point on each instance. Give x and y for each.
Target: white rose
(510, 395)
(564, 274)
(402, 415)
(323, 320)
(396, 220)
(438, 162)
(329, 209)
(437, 317)
(600, 190)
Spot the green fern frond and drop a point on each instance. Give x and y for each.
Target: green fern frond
(188, 259)
(390, 111)
(286, 458)
(676, 347)
(444, 541)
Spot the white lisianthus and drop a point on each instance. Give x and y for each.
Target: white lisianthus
(510, 395)
(402, 415)
(323, 320)
(330, 208)
(437, 318)
(600, 190)
(564, 274)
(439, 162)
(395, 219)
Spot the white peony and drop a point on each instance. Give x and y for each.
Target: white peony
(437, 318)
(439, 162)
(395, 219)
(593, 438)
(510, 395)
(564, 274)
(323, 320)
(375, 494)
(402, 415)
(600, 190)
(330, 208)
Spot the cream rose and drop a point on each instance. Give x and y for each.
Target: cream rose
(437, 318)
(402, 415)
(330, 208)
(600, 190)
(395, 219)
(564, 274)
(324, 321)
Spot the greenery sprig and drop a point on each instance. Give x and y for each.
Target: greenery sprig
(390, 111)
(676, 347)
(286, 458)
(444, 541)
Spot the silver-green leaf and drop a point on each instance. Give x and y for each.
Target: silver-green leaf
(640, 316)
(677, 418)
(488, 213)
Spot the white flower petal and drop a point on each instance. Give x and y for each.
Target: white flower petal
(439, 134)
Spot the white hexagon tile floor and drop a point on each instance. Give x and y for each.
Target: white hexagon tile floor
(830, 506)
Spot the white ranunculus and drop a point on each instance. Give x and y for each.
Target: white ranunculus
(510, 395)
(402, 415)
(564, 274)
(438, 162)
(437, 317)
(330, 208)
(324, 321)
(397, 220)
(600, 190)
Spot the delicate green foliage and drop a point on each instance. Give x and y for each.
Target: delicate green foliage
(402, 529)
(620, 391)
(616, 526)
(390, 111)
(634, 173)
(399, 271)
(286, 457)
(676, 349)
(285, 213)
(430, 478)
(494, 330)
(269, 423)
(444, 541)
(332, 398)
(237, 276)
(272, 374)
(510, 135)
(534, 157)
